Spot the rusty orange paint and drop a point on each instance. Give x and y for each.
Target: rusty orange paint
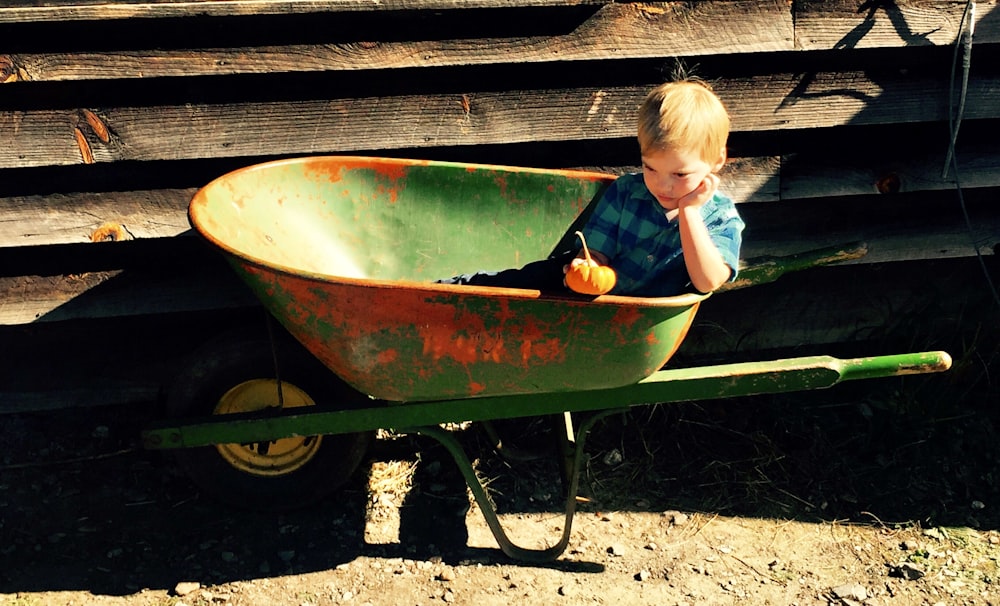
(395, 172)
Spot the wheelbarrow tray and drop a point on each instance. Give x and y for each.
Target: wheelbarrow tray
(344, 252)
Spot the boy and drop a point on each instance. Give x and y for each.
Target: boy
(666, 230)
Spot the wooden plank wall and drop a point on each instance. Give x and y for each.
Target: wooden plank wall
(112, 115)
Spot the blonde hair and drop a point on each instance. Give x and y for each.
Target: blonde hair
(684, 114)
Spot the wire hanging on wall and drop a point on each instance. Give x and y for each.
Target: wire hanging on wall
(964, 43)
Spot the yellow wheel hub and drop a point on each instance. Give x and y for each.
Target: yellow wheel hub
(276, 458)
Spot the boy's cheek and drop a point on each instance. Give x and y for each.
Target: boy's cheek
(691, 187)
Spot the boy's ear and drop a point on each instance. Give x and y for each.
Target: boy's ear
(721, 162)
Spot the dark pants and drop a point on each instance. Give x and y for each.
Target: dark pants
(544, 275)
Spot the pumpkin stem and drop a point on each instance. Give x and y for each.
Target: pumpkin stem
(586, 251)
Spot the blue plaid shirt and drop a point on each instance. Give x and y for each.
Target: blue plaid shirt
(631, 228)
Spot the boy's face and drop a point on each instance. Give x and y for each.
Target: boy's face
(671, 174)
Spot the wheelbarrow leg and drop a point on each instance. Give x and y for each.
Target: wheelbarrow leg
(562, 427)
(509, 453)
(566, 443)
(452, 445)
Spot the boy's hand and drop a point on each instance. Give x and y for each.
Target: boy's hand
(576, 262)
(598, 260)
(701, 194)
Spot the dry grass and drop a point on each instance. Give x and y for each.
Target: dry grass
(391, 479)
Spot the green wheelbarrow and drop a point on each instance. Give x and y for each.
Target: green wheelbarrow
(343, 252)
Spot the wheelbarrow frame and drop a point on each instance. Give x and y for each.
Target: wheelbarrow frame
(428, 400)
(425, 418)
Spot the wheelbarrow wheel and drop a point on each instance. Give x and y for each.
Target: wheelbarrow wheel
(236, 374)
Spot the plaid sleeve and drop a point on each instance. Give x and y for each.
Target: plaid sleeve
(726, 230)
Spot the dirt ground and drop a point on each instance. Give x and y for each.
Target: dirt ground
(874, 493)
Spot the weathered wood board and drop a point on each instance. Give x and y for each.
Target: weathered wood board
(771, 103)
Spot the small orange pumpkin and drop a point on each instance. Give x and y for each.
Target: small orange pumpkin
(590, 278)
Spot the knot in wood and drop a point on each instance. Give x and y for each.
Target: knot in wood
(110, 232)
(97, 125)
(8, 69)
(889, 183)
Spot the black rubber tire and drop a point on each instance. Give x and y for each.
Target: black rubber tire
(239, 357)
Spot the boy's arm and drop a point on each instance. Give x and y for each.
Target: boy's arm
(705, 265)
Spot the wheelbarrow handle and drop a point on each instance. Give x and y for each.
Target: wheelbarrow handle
(768, 268)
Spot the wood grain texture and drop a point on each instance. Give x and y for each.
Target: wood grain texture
(162, 213)
(761, 103)
(615, 31)
(14, 11)
(72, 218)
(119, 293)
(891, 172)
(842, 24)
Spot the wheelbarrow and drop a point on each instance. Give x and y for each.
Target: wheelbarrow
(343, 252)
